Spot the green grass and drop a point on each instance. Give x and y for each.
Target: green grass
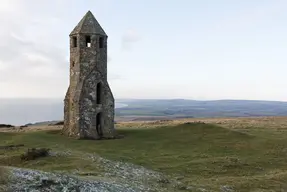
(4, 178)
(202, 154)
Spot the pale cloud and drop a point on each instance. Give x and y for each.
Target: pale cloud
(11, 6)
(27, 60)
(129, 37)
(34, 54)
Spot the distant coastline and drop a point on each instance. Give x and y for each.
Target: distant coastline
(120, 105)
(23, 111)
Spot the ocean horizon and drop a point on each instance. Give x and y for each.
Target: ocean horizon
(23, 111)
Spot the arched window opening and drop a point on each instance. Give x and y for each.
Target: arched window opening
(74, 39)
(99, 124)
(101, 42)
(88, 41)
(99, 93)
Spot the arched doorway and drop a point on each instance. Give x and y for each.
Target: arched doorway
(99, 93)
(99, 124)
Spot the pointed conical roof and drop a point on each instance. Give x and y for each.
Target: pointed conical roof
(88, 24)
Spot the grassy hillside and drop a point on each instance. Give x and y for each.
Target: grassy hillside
(245, 154)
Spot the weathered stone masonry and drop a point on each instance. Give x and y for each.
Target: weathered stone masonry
(89, 103)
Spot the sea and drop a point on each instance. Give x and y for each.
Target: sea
(23, 111)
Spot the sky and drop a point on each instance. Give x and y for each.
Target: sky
(206, 50)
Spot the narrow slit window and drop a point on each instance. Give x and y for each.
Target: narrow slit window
(88, 41)
(101, 42)
(99, 93)
(74, 41)
(73, 63)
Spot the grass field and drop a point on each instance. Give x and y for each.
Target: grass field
(248, 154)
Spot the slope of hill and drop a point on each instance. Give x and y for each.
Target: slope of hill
(223, 154)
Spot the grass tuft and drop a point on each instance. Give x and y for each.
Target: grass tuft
(33, 154)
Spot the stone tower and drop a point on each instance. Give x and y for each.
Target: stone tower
(89, 102)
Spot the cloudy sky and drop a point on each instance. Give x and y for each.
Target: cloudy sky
(224, 49)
